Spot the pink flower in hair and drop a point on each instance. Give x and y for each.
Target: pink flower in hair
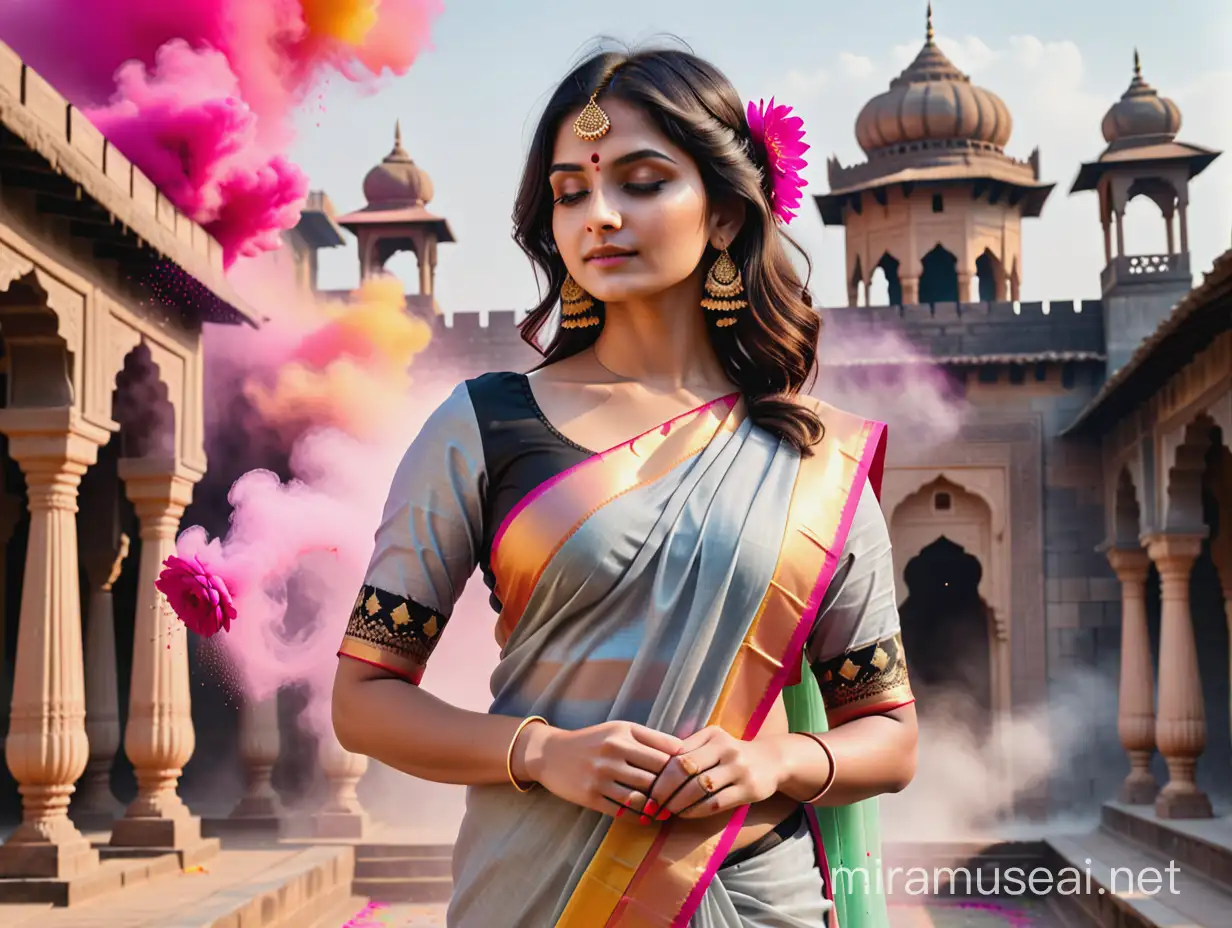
(783, 137)
(197, 595)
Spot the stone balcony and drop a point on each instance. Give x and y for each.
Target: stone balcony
(1146, 270)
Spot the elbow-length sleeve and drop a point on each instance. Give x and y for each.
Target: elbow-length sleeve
(856, 648)
(427, 544)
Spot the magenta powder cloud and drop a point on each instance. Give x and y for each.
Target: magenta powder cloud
(199, 94)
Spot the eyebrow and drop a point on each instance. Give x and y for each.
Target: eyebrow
(640, 155)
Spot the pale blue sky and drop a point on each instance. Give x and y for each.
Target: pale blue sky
(469, 104)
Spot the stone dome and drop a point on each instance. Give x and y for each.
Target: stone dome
(1141, 111)
(398, 181)
(933, 102)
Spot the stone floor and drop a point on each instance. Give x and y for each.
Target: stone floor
(200, 896)
(938, 914)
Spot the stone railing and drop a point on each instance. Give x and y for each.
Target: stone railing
(1133, 270)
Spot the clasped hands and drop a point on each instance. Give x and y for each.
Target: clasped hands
(620, 767)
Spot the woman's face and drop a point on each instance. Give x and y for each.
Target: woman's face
(630, 215)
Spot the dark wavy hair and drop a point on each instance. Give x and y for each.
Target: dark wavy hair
(770, 352)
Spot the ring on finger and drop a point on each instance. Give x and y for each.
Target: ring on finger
(706, 784)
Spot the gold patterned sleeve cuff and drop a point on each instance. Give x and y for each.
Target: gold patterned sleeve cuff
(865, 681)
(392, 632)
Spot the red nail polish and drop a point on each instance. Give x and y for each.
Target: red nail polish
(644, 820)
(663, 816)
(651, 808)
(620, 811)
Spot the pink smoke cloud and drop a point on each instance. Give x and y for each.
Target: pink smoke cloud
(186, 125)
(199, 93)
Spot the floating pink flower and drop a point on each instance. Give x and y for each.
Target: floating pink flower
(783, 136)
(197, 595)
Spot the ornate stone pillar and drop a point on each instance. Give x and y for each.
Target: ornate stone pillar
(1180, 728)
(1136, 699)
(103, 548)
(159, 737)
(259, 809)
(1221, 543)
(95, 806)
(10, 514)
(342, 816)
(46, 747)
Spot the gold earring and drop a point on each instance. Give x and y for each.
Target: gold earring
(574, 301)
(724, 285)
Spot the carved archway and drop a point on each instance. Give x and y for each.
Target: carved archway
(144, 406)
(948, 637)
(857, 290)
(1185, 454)
(41, 322)
(888, 265)
(939, 277)
(990, 273)
(968, 507)
(1126, 513)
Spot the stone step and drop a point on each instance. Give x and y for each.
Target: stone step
(1202, 845)
(423, 889)
(372, 849)
(1131, 887)
(286, 895)
(108, 877)
(271, 888)
(392, 867)
(345, 912)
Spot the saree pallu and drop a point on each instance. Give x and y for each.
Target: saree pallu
(671, 581)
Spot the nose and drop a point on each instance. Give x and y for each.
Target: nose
(601, 214)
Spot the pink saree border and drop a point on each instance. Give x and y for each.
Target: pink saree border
(730, 399)
(870, 467)
(823, 863)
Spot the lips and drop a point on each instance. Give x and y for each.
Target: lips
(609, 252)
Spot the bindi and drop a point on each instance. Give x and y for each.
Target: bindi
(594, 159)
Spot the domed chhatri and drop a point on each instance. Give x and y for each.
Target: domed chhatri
(1141, 113)
(938, 204)
(398, 180)
(395, 219)
(932, 101)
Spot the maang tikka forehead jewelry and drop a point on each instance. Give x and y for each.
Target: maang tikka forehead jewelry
(592, 123)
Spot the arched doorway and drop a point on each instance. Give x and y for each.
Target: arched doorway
(939, 277)
(946, 637)
(951, 554)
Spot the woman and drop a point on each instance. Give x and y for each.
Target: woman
(658, 600)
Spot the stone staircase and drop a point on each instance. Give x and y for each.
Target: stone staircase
(403, 872)
(1130, 884)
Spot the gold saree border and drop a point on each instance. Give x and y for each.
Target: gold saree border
(646, 876)
(552, 512)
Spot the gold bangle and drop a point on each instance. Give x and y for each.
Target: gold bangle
(825, 788)
(509, 753)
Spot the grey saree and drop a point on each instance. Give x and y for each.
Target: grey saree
(678, 580)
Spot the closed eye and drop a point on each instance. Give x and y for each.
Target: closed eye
(641, 189)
